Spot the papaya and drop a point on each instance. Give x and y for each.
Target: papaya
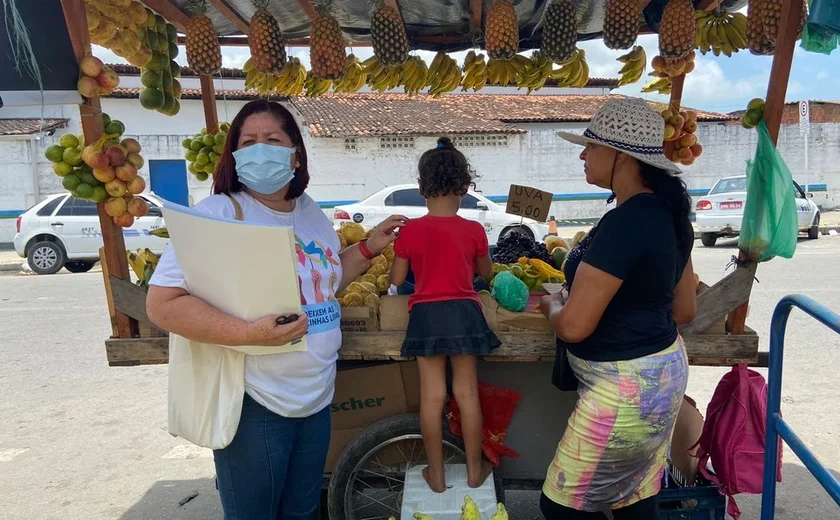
(552, 242)
(558, 256)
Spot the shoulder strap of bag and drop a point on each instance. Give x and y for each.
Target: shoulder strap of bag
(237, 208)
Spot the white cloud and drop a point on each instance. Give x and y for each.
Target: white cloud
(822, 75)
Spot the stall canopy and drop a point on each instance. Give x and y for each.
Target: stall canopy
(50, 44)
(432, 25)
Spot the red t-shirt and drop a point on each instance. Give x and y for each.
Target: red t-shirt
(442, 252)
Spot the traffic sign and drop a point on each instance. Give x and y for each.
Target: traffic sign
(804, 117)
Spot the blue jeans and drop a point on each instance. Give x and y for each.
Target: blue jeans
(274, 468)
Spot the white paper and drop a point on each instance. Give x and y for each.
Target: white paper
(245, 270)
(553, 288)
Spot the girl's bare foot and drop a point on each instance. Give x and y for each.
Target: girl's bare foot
(485, 470)
(436, 482)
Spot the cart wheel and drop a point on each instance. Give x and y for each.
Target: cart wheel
(368, 478)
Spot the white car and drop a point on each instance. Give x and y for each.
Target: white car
(720, 212)
(63, 231)
(406, 200)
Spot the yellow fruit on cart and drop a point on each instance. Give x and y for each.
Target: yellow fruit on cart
(372, 300)
(341, 241)
(378, 270)
(369, 288)
(368, 278)
(383, 283)
(552, 242)
(353, 233)
(353, 300)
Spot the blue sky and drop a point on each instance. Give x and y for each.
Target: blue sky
(718, 84)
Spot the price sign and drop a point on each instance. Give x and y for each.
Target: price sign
(529, 202)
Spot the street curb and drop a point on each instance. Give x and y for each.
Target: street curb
(11, 267)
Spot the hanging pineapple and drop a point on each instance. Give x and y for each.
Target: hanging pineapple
(266, 41)
(771, 14)
(559, 31)
(756, 40)
(501, 31)
(390, 41)
(676, 30)
(326, 45)
(622, 19)
(204, 54)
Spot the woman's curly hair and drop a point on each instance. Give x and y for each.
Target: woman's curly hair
(445, 171)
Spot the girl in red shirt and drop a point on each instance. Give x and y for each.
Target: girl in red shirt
(444, 251)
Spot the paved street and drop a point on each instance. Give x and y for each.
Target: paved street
(80, 440)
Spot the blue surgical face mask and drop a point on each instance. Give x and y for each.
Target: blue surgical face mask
(264, 168)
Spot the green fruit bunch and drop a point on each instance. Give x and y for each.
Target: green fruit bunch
(754, 113)
(161, 90)
(76, 176)
(203, 151)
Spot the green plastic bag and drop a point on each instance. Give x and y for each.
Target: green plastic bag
(510, 292)
(769, 227)
(818, 39)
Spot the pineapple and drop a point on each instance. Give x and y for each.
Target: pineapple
(757, 41)
(266, 41)
(204, 54)
(390, 41)
(622, 19)
(327, 46)
(676, 30)
(771, 13)
(501, 31)
(559, 33)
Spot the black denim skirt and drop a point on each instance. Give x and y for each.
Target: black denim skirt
(448, 328)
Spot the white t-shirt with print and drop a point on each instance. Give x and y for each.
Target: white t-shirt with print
(293, 384)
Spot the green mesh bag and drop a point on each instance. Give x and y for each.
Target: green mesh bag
(769, 227)
(510, 292)
(818, 39)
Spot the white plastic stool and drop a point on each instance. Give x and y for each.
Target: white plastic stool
(447, 505)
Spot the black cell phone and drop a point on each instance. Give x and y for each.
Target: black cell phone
(285, 320)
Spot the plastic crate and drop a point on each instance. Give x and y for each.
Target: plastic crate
(691, 503)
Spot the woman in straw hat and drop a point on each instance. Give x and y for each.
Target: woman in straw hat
(630, 281)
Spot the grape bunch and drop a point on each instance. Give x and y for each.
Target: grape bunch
(517, 244)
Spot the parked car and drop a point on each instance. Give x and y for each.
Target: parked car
(406, 200)
(720, 212)
(63, 231)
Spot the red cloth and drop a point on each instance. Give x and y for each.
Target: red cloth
(497, 408)
(442, 252)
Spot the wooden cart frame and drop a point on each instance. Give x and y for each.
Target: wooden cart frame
(134, 340)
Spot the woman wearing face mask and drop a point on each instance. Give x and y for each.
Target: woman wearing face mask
(273, 468)
(630, 282)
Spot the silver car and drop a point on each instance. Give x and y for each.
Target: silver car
(720, 212)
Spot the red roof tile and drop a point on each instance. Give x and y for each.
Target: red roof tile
(27, 126)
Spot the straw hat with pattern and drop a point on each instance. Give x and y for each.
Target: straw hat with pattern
(630, 126)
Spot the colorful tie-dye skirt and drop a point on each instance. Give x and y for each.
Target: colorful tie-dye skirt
(615, 447)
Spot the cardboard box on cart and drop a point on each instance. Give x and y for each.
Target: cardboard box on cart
(366, 395)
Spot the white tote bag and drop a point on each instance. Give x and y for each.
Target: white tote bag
(206, 389)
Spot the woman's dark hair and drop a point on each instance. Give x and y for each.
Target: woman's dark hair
(672, 190)
(444, 171)
(226, 180)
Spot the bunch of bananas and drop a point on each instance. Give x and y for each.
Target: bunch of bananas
(635, 63)
(315, 86)
(573, 72)
(354, 77)
(444, 75)
(291, 80)
(143, 263)
(254, 79)
(415, 75)
(507, 72)
(475, 72)
(720, 32)
(380, 77)
(660, 85)
(537, 72)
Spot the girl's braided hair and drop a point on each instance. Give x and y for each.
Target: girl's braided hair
(445, 171)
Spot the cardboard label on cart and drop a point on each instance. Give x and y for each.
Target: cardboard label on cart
(359, 319)
(528, 202)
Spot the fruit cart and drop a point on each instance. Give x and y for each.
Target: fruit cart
(718, 335)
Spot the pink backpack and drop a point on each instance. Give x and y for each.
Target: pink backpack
(734, 434)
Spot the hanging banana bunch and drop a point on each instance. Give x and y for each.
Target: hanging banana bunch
(507, 72)
(414, 75)
(381, 78)
(354, 77)
(537, 72)
(475, 72)
(720, 32)
(635, 64)
(316, 86)
(444, 75)
(256, 80)
(660, 85)
(291, 80)
(574, 72)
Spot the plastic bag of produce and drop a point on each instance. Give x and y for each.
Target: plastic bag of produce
(510, 291)
(818, 39)
(769, 227)
(497, 408)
